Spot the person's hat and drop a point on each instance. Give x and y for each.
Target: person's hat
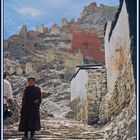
(31, 78)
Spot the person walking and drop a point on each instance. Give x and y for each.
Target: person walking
(8, 101)
(30, 116)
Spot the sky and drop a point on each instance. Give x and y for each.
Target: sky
(35, 12)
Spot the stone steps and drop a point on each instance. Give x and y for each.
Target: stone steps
(58, 129)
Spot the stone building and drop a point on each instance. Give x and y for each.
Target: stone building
(88, 87)
(88, 44)
(70, 60)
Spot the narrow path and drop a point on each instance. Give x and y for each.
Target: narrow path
(58, 129)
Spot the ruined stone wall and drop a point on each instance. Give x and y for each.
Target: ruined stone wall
(72, 60)
(89, 87)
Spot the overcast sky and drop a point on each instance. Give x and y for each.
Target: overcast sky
(47, 12)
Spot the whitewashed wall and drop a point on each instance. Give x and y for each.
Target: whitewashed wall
(78, 85)
(117, 49)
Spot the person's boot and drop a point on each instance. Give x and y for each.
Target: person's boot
(32, 138)
(25, 137)
(32, 135)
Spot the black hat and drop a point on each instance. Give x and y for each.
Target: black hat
(31, 78)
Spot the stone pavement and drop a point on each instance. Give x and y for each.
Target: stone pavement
(58, 129)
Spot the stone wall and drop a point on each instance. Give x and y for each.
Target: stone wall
(78, 86)
(120, 78)
(70, 60)
(117, 48)
(121, 95)
(88, 44)
(118, 108)
(115, 108)
(89, 86)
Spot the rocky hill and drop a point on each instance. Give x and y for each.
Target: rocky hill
(94, 18)
(91, 20)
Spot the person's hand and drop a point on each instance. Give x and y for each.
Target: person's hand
(36, 101)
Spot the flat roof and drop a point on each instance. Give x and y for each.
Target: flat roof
(86, 67)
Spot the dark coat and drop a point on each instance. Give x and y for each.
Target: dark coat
(30, 116)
